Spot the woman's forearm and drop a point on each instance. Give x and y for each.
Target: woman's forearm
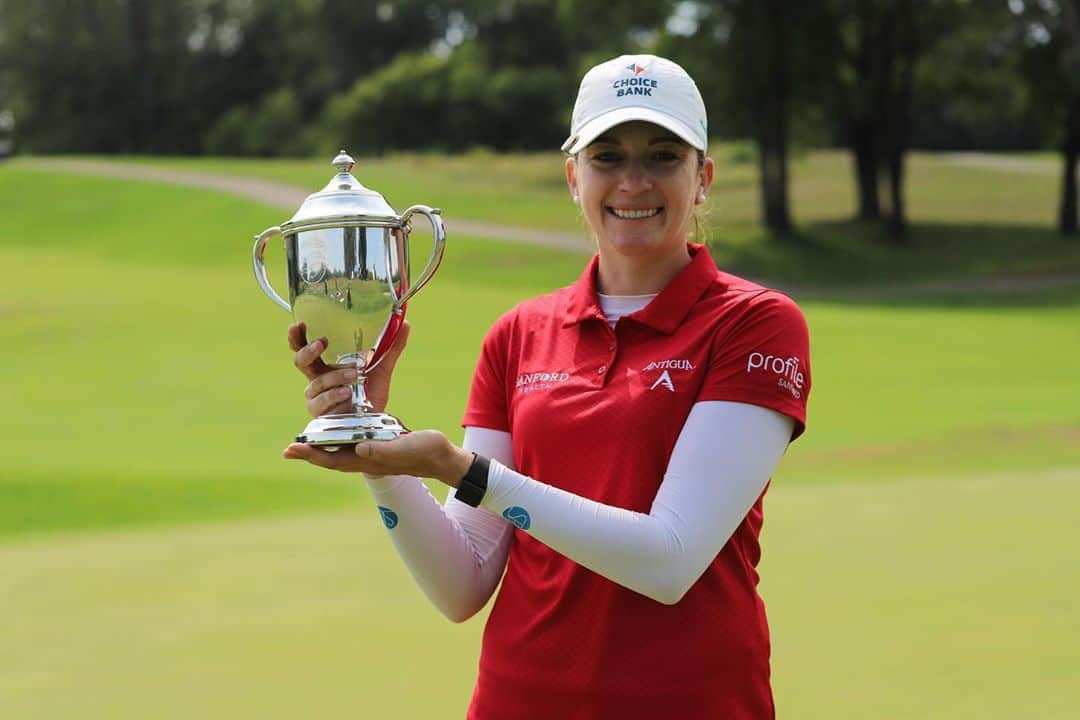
(719, 467)
(456, 553)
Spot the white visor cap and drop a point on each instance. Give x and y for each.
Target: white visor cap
(637, 87)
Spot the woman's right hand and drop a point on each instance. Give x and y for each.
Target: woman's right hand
(330, 390)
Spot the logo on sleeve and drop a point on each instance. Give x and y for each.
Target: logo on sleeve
(389, 517)
(791, 377)
(518, 517)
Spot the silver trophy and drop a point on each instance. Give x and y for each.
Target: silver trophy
(347, 254)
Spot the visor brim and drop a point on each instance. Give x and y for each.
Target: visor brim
(602, 123)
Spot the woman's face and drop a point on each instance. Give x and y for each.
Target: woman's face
(637, 185)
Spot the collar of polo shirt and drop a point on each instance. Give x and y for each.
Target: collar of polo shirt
(666, 311)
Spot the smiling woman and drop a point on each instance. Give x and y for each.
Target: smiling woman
(637, 185)
(619, 438)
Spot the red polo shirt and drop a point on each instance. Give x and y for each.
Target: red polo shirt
(596, 410)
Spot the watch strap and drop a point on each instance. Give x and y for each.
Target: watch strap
(475, 481)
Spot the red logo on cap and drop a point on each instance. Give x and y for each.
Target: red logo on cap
(635, 68)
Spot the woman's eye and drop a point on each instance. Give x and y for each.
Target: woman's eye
(606, 157)
(666, 156)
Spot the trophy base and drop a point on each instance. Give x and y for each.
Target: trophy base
(334, 431)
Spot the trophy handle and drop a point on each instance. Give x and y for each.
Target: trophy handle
(257, 253)
(433, 215)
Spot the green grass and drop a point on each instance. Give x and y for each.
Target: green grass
(966, 221)
(159, 558)
(148, 379)
(150, 382)
(526, 189)
(945, 597)
(937, 597)
(905, 390)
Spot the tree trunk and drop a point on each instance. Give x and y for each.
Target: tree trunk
(776, 213)
(1067, 223)
(864, 148)
(773, 134)
(898, 217)
(865, 99)
(901, 87)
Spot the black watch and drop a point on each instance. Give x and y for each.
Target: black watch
(474, 482)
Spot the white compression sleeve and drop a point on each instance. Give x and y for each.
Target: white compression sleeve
(456, 553)
(722, 460)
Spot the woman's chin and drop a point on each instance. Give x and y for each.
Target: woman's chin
(635, 245)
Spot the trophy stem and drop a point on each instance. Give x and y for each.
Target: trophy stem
(363, 424)
(361, 405)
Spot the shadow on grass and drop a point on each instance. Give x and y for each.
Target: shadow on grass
(937, 264)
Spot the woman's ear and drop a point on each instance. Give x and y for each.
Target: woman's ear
(705, 180)
(571, 178)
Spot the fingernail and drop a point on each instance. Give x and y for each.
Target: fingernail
(350, 374)
(345, 392)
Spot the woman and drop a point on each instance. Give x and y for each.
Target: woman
(619, 436)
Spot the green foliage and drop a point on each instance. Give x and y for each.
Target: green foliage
(231, 133)
(972, 92)
(422, 100)
(162, 75)
(380, 110)
(273, 128)
(278, 77)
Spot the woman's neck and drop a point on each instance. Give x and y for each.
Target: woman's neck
(638, 274)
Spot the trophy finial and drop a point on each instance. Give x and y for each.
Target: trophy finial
(343, 162)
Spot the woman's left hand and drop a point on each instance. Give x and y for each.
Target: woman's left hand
(424, 453)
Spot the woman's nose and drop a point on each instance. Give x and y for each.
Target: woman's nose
(635, 178)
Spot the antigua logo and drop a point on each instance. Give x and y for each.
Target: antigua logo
(667, 366)
(636, 69)
(518, 517)
(389, 517)
(664, 380)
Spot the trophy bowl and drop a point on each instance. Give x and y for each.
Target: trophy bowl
(347, 268)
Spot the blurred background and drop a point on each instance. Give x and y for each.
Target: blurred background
(906, 169)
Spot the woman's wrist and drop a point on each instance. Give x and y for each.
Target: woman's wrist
(455, 465)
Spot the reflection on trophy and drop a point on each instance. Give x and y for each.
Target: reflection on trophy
(347, 254)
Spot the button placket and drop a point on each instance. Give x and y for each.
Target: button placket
(611, 343)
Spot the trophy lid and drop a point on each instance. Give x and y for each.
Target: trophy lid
(343, 199)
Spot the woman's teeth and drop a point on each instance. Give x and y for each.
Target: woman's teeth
(634, 214)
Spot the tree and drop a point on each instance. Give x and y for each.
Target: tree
(162, 75)
(1070, 69)
(82, 72)
(1049, 33)
(879, 44)
(764, 35)
(884, 47)
(757, 63)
